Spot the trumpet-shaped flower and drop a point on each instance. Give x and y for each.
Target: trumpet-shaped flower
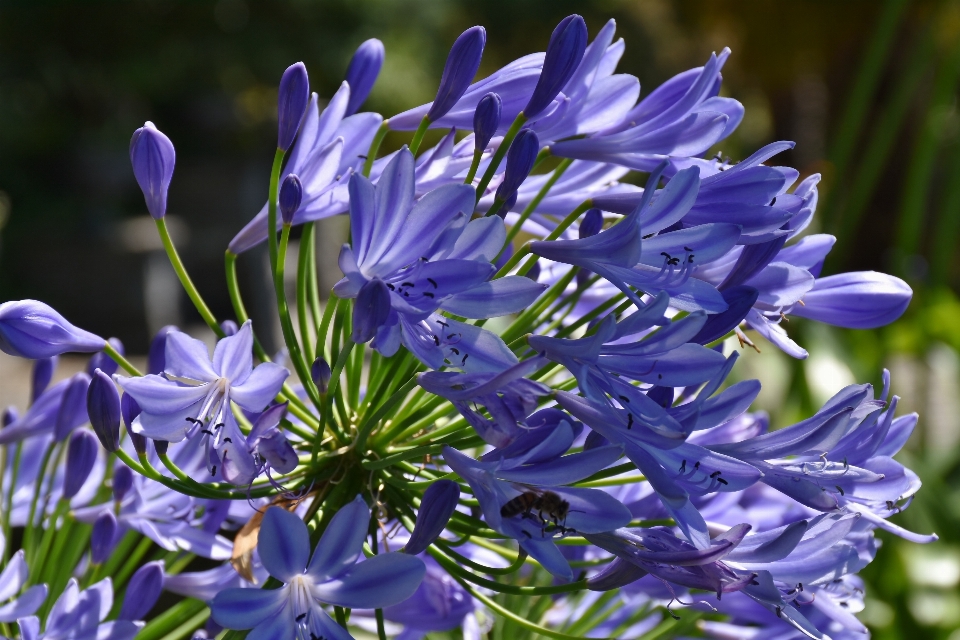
(332, 576)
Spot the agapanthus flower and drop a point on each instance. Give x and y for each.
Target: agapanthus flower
(32, 329)
(12, 580)
(195, 395)
(79, 615)
(332, 576)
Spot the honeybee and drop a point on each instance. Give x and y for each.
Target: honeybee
(541, 503)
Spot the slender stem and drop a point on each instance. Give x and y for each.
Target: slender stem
(500, 152)
(185, 280)
(332, 303)
(28, 532)
(286, 324)
(303, 277)
(529, 209)
(382, 411)
(239, 310)
(272, 208)
(375, 147)
(472, 173)
(418, 135)
(341, 616)
(120, 360)
(7, 505)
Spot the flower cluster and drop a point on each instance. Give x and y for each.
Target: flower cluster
(404, 462)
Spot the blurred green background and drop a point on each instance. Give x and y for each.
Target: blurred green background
(868, 89)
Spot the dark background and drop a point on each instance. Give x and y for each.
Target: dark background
(866, 88)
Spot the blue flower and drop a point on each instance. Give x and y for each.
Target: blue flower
(194, 397)
(79, 615)
(31, 329)
(153, 157)
(427, 254)
(331, 576)
(12, 580)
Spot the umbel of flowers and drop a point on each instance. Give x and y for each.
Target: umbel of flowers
(401, 468)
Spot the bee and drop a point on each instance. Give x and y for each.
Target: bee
(541, 503)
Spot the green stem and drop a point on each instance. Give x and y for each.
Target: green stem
(303, 281)
(472, 173)
(185, 280)
(375, 147)
(418, 135)
(332, 303)
(381, 412)
(272, 208)
(286, 324)
(117, 357)
(500, 153)
(239, 310)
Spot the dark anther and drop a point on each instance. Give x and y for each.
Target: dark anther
(722, 481)
(683, 466)
(406, 295)
(436, 340)
(779, 611)
(206, 431)
(629, 421)
(228, 440)
(687, 249)
(301, 617)
(659, 376)
(362, 156)
(696, 466)
(428, 294)
(391, 287)
(213, 470)
(194, 421)
(839, 488)
(674, 261)
(433, 282)
(665, 254)
(425, 258)
(714, 474)
(219, 425)
(456, 352)
(690, 259)
(406, 284)
(442, 323)
(465, 356)
(800, 586)
(625, 398)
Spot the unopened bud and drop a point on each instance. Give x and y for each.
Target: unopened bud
(520, 160)
(42, 374)
(291, 193)
(564, 53)
(161, 446)
(438, 504)
(32, 329)
(143, 591)
(103, 537)
(103, 408)
(534, 272)
(157, 355)
(81, 456)
(591, 224)
(362, 72)
(486, 119)
(320, 372)
(462, 64)
(153, 157)
(229, 328)
(73, 407)
(292, 102)
(122, 481)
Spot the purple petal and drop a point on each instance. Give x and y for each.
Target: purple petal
(233, 356)
(260, 387)
(247, 608)
(188, 358)
(284, 544)
(342, 542)
(499, 297)
(377, 582)
(564, 470)
(26, 605)
(856, 300)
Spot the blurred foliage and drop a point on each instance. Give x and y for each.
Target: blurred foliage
(868, 89)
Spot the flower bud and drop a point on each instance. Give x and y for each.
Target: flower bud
(73, 407)
(103, 537)
(291, 103)
(157, 355)
(564, 53)
(856, 300)
(362, 73)
(520, 159)
(143, 591)
(81, 456)
(486, 119)
(591, 224)
(32, 329)
(438, 504)
(161, 446)
(371, 310)
(122, 481)
(104, 362)
(534, 272)
(42, 374)
(229, 328)
(9, 416)
(129, 410)
(103, 407)
(459, 70)
(320, 372)
(291, 193)
(270, 442)
(152, 156)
